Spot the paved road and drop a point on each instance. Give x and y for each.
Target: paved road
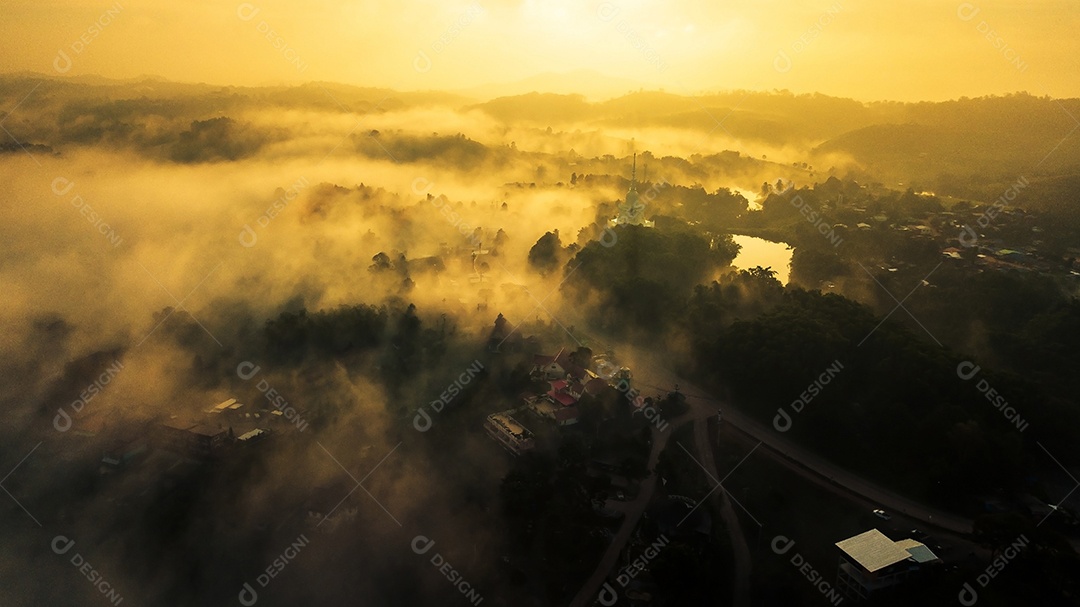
(652, 377)
(656, 377)
(633, 510)
(743, 564)
(590, 590)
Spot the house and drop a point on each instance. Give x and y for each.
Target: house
(871, 561)
(557, 367)
(509, 433)
(121, 452)
(253, 436)
(194, 438)
(562, 415)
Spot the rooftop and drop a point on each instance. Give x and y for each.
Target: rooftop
(873, 551)
(918, 551)
(510, 425)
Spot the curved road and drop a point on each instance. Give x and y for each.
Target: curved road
(650, 373)
(743, 564)
(590, 591)
(655, 377)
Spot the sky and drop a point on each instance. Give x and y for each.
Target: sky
(913, 50)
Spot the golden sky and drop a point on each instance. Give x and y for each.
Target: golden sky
(917, 49)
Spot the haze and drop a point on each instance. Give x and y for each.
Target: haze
(539, 303)
(921, 50)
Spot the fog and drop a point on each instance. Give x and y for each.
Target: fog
(165, 245)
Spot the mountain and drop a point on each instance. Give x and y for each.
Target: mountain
(588, 83)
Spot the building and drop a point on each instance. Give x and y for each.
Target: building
(871, 561)
(562, 415)
(122, 451)
(194, 438)
(227, 406)
(557, 367)
(509, 433)
(632, 210)
(253, 436)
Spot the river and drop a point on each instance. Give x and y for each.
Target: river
(767, 254)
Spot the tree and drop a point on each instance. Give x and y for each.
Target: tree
(546, 253)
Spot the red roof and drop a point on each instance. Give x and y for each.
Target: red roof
(559, 385)
(566, 413)
(562, 398)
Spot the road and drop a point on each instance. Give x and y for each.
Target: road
(743, 564)
(633, 510)
(652, 377)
